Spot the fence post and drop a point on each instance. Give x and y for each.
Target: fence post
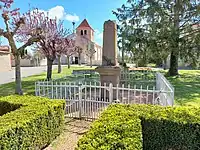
(36, 90)
(52, 90)
(80, 100)
(157, 81)
(172, 96)
(110, 92)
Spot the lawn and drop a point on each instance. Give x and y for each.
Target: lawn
(28, 83)
(187, 85)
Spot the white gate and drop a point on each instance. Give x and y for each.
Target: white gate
(87, 102)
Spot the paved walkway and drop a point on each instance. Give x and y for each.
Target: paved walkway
(73, 131)
(6, 77)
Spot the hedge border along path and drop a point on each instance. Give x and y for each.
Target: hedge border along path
(33, 126)
(147, 127)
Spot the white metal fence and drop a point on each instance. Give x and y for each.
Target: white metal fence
(138, 78)
(166, 90)
(87, 100)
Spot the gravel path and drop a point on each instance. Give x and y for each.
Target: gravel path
(73, 130)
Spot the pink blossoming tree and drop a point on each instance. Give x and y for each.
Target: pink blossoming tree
(65, 46)
(52, 43)
(69, 49)
(13, 22)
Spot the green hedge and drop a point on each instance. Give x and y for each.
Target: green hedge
(137, 127)
(6, 107)
(33, 125)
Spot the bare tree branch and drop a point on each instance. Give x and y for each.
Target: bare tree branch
(29, 43)
(18, 24)
(6, 18)
(2, 32)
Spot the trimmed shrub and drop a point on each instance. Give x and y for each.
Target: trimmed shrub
(33, 125)
(6, 107)
(147, 127)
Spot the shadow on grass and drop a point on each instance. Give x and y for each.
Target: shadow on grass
(28, 83)
(187, 87)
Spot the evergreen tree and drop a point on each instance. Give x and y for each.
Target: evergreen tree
(163, 27)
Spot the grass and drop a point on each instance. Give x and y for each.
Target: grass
(187, 87)
(28, 83)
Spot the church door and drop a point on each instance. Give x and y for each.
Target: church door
(76, 60)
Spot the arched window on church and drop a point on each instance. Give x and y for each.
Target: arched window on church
(85, 32)
(81, 32)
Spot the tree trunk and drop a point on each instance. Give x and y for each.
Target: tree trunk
(123, 50)
(18, 84)
(173, 70)
(90, 62)
(49, 69)
(68, 62)
(59, 64)
(136, 65)
(165, 64)
(79, 59)
(145, 58)
(39, 62)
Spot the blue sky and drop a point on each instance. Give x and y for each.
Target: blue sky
(95, 11)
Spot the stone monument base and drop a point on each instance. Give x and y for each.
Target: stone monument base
(109, 74)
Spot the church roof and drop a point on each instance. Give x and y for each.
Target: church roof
(85, 23)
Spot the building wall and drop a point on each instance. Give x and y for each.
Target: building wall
(63, 60)
(83, 41)
(43, 62)
(89, 35)
(97, 59)
(30, 63)
(5, 63)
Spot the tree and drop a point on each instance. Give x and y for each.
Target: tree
(13, 22)
(50, 41)
(90, 52)
(51, 31)
(169, 23)
(67, 47)
(134, 40)
(79, 51)
(59, 63)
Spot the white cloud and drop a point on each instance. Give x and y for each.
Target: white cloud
(59, 13)
(72, 18)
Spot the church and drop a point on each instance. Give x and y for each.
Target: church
(85, 39)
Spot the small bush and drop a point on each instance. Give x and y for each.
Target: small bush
(33, 125)
(137, 127)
